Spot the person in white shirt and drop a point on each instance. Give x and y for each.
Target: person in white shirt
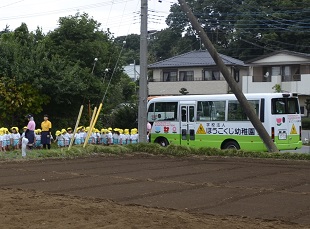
(134, 136)
(126, 137)
(15, 137)
(6, 142)
(110, 137)
(115, 136)
(78, 137)
(103, 136)
(121, 136)
(59, 139)
(65, 137)
(70, 134)
(37, 134)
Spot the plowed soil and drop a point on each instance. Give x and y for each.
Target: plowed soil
(143, 191)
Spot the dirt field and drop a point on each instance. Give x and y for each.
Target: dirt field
(155, 192)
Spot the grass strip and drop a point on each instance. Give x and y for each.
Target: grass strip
(147, 148)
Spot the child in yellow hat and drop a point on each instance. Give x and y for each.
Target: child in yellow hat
(59, 139)
(78, 137)
(134, 136)
(37, 133)
(15, 136)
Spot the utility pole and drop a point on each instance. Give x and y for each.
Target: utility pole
(231, 82)
(142, 111)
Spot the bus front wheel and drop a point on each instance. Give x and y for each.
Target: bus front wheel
(231, 145)
(162, 141)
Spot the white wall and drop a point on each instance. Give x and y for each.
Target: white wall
(301, 87)
(193, 87)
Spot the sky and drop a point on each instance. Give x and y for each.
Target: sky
(122, 17)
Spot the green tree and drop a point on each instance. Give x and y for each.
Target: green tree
(60, 66)
(131, 48)
(250, 28)
(130, 111)
(16, 100)
(74, 77)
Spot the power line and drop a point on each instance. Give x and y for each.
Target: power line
(13, 3)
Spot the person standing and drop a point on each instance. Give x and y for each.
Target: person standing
(29, 134)
(46, 128)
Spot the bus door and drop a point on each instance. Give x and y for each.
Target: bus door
(281, 124)
(187, 112)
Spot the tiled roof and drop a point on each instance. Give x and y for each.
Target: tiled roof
(195, 59)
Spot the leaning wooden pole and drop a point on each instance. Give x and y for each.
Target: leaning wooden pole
(76, 126)
(96, 117)
(90, 127)
(231, 82)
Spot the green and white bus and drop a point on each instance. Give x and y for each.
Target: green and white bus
(219, 121)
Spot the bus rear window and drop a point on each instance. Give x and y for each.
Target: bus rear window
(285, 106)
(163, 111)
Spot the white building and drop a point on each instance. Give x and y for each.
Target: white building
(133, 71)
(290, 71)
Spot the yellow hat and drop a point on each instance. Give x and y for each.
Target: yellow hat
(69, 128)
(14, 128)
(25, 127)
(58, 133)
(63, 131)
(120, 131)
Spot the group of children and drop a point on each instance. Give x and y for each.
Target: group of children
(12, 139)
(9, 140)
(108, 136)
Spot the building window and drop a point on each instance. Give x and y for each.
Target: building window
(211, 74)
(170, 76)
(186, 76)
(290, 73)
(267, 74)
(287, 73)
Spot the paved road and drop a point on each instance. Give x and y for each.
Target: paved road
(267, 189)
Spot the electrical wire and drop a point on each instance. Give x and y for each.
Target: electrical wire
(13, 3)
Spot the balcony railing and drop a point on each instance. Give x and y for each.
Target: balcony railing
(195, 79)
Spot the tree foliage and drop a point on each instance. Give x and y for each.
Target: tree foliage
(56, 73)
(16, 100)
(247, 29)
